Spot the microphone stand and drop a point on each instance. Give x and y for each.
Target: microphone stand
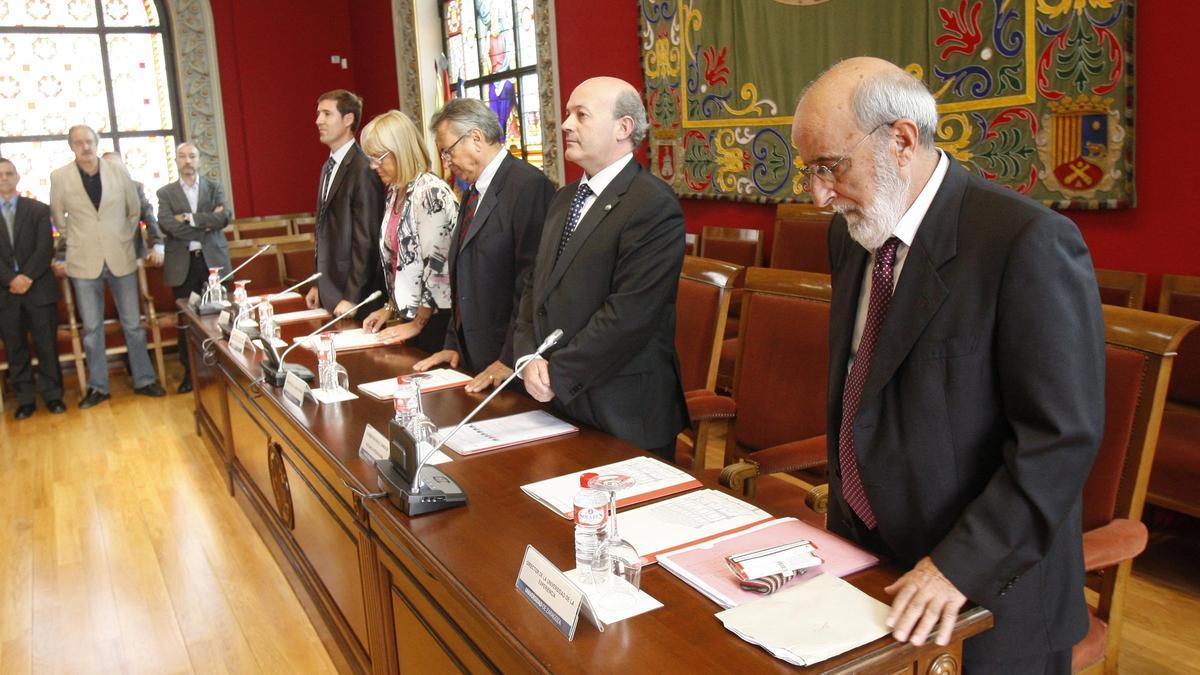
(203, 308)
(431, 489)
(242, 312)
(276, 373)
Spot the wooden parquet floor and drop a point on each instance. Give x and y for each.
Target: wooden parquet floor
(122, 551)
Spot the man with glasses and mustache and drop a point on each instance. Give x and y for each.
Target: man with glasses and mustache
(966, 386)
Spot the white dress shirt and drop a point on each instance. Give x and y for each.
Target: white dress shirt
(601, 180)
(192, 192)
(488, 173)
(906, 232)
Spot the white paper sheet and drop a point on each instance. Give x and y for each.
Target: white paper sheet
(810, 622)
(684, 520)
(502, 432)
(345, 340)
(643, 602)
(653, 478)
(302, 315)
(433, 380)
(333, 396)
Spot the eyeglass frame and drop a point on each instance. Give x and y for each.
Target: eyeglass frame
(828, 173)
(445, 154)
(380, 158)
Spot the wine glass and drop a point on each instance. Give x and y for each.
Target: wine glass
(621, 588)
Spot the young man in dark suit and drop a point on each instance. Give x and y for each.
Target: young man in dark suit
(966, 382)
(193, 213)
(28, 295)
(349, 211)
(491, 256)
(606, 273)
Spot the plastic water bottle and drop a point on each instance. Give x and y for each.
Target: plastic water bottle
(591, 532)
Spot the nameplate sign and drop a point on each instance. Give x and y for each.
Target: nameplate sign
(552, 593)
(194, 299)
(294, 388)
(238, 340)
(374, 445)
(223, 319)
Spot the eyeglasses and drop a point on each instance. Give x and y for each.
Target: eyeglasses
(382, 156)
(446, 153)
(828, 173)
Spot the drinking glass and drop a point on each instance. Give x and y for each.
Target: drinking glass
(621, 588)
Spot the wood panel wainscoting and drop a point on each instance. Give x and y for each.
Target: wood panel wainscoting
(391, 594)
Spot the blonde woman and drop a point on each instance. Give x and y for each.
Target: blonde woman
(415, 234)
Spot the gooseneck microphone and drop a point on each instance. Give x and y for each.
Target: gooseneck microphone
(243, 312)
(276, 372)
(431, 489)
(245, 262)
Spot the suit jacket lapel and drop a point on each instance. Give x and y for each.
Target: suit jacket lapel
(8, 247)
(920, 291)
(556, 220)
(179, 197)
(484, 208)
(339, 177)
(600, 208)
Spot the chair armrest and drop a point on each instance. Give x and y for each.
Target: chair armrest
(707, 405)
(794, 456)
(817, 498)
(1113, 543)
(734, 476)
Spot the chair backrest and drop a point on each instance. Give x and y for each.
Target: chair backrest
(265, 273)
(738, 245)
(782, 366)
(299, 261)
(691, 244)
(1122, 289)
(1139, 353)
(161, 294)
(1181, 297)
(801, 238)
(262, 228)
(304, 225)
(701, 309)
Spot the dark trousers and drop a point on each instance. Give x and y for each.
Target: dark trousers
(19, 322)
(197, 276)
(1054, 663)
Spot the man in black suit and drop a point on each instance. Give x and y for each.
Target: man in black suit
(606, 274)
(193, 212)
(349, 211)
(491, 256)
(966, 386)
(28, 295)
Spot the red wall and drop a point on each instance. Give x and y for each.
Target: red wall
(1162, 234)
(273, 66)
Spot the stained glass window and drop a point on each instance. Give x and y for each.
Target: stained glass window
(104, 63)
(491, 55)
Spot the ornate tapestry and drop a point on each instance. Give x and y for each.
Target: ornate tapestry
(1033, 94)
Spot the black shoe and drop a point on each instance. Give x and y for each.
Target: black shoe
(185, 386)
(94, 397)
(56, 406)
(152, 389)
(24, 411)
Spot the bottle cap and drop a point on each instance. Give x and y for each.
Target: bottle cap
(585, 479)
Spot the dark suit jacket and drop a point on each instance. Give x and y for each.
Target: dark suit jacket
(31, 250)
(982, 409)
(348, 233)
(208, 228)
(490, 272)
(612, 292)
(153, 235)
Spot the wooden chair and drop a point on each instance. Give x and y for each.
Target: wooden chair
(1177, 461)
(780, 379)
(1139, 354)
(162, 312)
(67, 343)
(740, 246)
(265, 273)
(262, 228)
(691, 244)
(299, 258)
(304, 225)
(1122, 289)
(801, 238)
(702, 306)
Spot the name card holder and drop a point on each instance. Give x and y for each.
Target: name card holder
(238, 340)
(295, 389)
(374, 445)
(223, 319)
(553, 594)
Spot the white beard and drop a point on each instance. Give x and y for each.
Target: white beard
(871, 225)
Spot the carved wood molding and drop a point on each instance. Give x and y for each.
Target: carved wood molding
(203, 117)
(944, 664)
(408, 69)
(279, 485)
(547, 72)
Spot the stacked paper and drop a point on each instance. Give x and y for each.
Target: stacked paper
(810, 622)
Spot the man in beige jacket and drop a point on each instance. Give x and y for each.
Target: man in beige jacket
(95, 206)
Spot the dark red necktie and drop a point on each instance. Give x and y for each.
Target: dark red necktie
(881, 295)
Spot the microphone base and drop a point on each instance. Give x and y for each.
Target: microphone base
(438, 491)
(276, 374)
(209, 308)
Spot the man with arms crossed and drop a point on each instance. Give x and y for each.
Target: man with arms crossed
(193, 214)
(966, 374)
(349, 211)
(96, 207)
(493, 248)
(607, 271)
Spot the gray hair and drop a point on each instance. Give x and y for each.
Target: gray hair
(465, 114)
(629, 104)
(71, 132)
(885, 97)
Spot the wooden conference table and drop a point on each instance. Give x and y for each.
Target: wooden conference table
(436, 592)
